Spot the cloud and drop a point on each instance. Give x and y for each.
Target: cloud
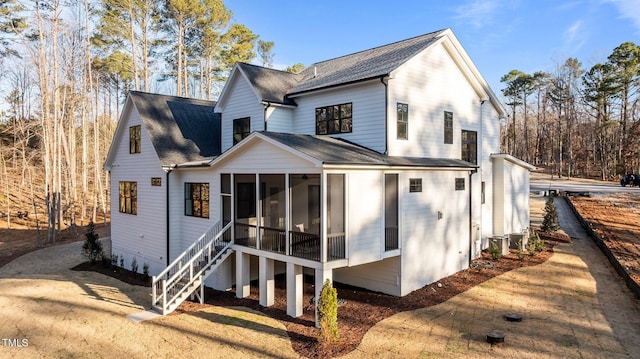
(477, 12)
(575, 35)
(628, 9)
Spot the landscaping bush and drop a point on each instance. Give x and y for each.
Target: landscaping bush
(550, 223)
(328, 313)
(92, 248)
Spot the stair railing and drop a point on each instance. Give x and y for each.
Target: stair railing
(172, 282)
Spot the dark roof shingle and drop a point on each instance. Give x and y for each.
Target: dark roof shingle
(181, 129)
(271, 85)
(329, 150)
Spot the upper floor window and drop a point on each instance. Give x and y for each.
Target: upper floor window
(403, 121)
(448, 127)
(134, 139)
(470, 146)
(196, 199)
(334, 119)
(241, 129)
(415, 184)
(128, 196)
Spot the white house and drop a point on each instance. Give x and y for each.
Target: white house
(379, 169)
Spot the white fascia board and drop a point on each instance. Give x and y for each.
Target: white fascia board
(514, 160)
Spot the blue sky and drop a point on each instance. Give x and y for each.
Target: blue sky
(499, 35)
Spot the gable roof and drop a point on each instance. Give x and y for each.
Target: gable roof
(363, 65)
(334, 151)
(180, 129)
(271, 85)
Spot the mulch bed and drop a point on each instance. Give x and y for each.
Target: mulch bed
(360, 309)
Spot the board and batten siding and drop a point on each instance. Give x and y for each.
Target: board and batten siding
(433, 248)
(143, 235)
(368, 113)
(431, 83)
(242, 102)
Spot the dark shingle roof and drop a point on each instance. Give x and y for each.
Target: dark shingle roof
(363, 65)
(271, 85)
(181, 129)
(329, 150)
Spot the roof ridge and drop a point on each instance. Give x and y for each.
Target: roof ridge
(266, 68)
(190, 99)
(378, 47)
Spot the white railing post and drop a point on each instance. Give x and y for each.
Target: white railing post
(164, 296)
(154, 294)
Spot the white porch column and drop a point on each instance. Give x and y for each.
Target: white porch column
(266, 282)
(294, 290)
(243, 273)
(321, 276)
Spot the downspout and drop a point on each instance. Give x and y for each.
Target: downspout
(385, 82)
(167, 170)
(266, 106)
(471, 216)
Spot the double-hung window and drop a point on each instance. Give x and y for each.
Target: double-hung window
(134, 139)
(196, 199)
(241, 129)
(469, 146)
(402, 121)
(128, 197)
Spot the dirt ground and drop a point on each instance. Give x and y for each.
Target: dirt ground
(21, 238)
(364, 330)
(616, 219)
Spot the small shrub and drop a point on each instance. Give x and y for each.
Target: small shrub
(328, 313)
(520, 250)
(92, 248)
(550, 223)
(535, 244)
(134, 265)
(122, 261)
(106, 262)
(145, 271)
(114, 261)
(495, 251)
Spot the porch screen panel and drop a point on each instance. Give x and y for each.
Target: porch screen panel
(390, 211)
(273, 211)
(335, 216)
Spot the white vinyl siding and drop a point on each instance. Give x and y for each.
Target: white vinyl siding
(368, 110)
(511, 197)
(433, 248)
(242, 102)
(431, 83)
(381, 276)
(279, 119)
(142, 235)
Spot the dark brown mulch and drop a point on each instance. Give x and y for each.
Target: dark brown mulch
(124, 275)
(361, 308)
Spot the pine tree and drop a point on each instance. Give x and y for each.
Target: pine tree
(92, 248)
(328, 313)
(550, 223)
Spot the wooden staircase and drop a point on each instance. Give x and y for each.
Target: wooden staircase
(185, 276)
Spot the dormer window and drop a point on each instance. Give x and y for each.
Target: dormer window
(134, 139)
(334, 119)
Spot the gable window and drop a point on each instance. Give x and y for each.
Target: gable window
(241, 129)
(469, 146)
(334, 119)
(403, 121)
(459, 184)
(448, 127)
(415, 184)
(128, 196)
(196, 199)
(134, 139)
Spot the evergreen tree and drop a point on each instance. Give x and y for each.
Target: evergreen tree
(328, 313)
(550, 223)
(92, 248)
